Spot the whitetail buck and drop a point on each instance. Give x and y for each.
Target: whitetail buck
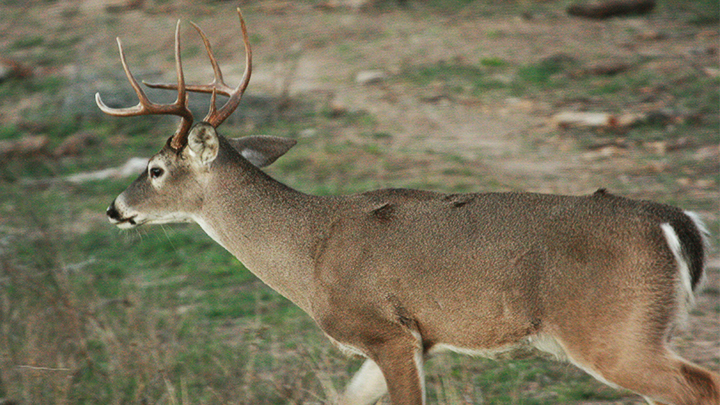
(395, 275)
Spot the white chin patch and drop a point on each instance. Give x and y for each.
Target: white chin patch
(125, 225)
(129, 223)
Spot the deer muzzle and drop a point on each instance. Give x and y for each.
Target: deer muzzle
(116, 218)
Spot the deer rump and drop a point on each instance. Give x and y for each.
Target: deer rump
(483, 272)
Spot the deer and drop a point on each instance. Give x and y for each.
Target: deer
(397, 275)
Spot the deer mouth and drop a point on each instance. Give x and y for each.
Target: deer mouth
(118, 220)
(125, 223)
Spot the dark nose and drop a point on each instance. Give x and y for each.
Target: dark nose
(113, 213)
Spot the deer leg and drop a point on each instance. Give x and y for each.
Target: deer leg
(401, 362)
(366, 387)
(656, 373)
(679, 383)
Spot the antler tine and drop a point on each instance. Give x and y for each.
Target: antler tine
(216, 118)
(140, 108)
(212, 110)
(179, 139)
(218, 83)
(147, 107)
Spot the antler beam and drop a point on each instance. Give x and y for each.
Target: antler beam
(215, 117)
(147, 107)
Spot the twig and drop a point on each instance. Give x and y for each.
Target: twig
(45, 368)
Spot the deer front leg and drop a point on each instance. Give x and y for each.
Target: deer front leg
(401, 362)
(367, 386)
(394, 350)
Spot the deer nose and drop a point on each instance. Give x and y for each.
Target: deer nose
(112, 212)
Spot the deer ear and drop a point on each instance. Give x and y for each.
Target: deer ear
(203, 142)
(262, 150)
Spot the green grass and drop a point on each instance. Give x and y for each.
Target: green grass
(116, 298)
(541, 73)
(27, 42)
(493, 62)
(460, 77)
(691, 111)
(482, 80)
(700, 12)
(9, 131)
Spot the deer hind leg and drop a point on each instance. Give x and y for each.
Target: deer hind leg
(367, 386)
(654, 372)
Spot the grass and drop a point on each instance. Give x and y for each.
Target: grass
(692, 109)
(481, 79)
(29, 42)
(10, 131)
(460, 77)
(701, 12)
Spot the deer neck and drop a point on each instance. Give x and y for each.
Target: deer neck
(266, 225)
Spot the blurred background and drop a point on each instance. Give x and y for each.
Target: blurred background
(445, 95)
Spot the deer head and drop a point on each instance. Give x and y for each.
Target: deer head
(173, 186)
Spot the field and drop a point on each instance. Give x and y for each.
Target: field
(470, 96)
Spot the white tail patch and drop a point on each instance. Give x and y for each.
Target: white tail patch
(704, 232)
(685, 293)
(705, 235)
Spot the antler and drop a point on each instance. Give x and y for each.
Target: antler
(215, 117)
(147, 107)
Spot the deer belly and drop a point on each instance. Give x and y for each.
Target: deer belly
(481, 329)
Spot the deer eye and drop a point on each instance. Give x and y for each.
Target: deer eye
(156, 172)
